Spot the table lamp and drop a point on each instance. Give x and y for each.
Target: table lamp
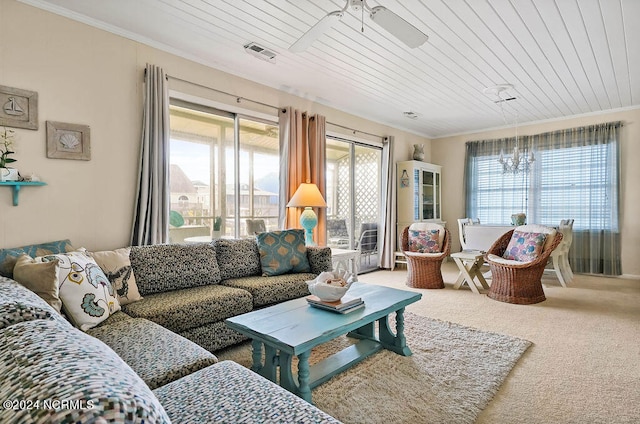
(307, 196)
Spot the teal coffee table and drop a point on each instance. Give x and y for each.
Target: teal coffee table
(293, 328)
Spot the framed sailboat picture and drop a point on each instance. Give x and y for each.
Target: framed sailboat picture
(18, 108)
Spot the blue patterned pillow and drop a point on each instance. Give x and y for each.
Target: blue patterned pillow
(424, 241)
(9, 256)
(282, 252)
(524, 247)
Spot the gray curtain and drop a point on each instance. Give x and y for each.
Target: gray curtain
(575, 175)
(151, 215)
(388, 211)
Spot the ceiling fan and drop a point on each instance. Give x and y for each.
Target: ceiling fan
(387, 20)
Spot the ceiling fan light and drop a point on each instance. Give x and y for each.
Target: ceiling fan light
(304, 42)
(398, 27)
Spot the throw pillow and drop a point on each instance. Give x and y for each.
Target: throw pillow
(117, 267)
(524, 247)
(39, 277)
(88, 298)
(282, 252)
(8, 257)
(424, 241)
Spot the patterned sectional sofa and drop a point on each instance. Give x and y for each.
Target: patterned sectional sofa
(192, 289)
(141, 364)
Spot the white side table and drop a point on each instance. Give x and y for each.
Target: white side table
(345, 259)
(469, 263)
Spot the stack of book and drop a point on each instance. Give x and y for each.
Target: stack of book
(345, 305)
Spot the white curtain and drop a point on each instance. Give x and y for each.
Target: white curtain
(151, 215)
(388, 211)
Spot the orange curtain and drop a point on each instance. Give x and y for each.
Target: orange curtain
(302, 159)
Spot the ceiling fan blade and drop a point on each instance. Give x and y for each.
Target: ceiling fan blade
(316, 31)
(398, 27)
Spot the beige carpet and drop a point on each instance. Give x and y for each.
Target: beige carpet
(452, 375)
(584, 364)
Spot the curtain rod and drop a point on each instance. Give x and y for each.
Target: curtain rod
(239, 99)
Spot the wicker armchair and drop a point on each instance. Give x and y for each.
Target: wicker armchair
(514, 282)
(424, 268)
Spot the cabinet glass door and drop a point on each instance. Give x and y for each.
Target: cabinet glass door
(428, 198)
(436, 191)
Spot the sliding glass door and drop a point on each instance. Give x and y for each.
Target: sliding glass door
(224, 170)
(353, 198)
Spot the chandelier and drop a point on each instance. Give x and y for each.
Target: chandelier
(518, 161)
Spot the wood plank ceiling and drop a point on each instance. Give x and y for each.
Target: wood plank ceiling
(563, 57)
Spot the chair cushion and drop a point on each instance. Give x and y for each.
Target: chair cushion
(164, 267)
(503, 261)
(229, 393)
(269, 290)
(424, 241)
(47, 360)
(87, 295)
(524, 246)
(426, 226)
(237, 257)
(181, 310)
(8, 257)
(157, 355)
(282, 252)
(423, 255)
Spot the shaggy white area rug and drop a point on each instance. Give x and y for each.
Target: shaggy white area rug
(452, 375)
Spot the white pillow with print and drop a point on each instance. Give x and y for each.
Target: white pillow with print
(88, 298)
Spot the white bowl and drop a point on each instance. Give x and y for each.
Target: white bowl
(326, 292)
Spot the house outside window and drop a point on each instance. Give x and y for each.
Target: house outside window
(219, 177)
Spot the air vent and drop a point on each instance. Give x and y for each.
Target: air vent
(410, 115)
(260, 52)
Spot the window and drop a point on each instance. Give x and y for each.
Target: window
(567, 181)
(219, 177)
(575, 176)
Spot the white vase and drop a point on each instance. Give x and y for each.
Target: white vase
(9, 174)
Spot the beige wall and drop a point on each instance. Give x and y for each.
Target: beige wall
(87, 76)
(449, 152)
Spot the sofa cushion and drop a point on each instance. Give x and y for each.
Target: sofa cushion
(39, 277)
(282, 252)
(45, 360)
(180, 310)
(164, 267)
(269, 290)
(237, 257)
(229, 393)
(113, 318)
(9, 256)
(157, 355)
(117, 267)
(213, 336)
(19, 304)
(87, 295)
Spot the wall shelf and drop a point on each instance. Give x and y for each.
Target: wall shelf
(16, 185)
